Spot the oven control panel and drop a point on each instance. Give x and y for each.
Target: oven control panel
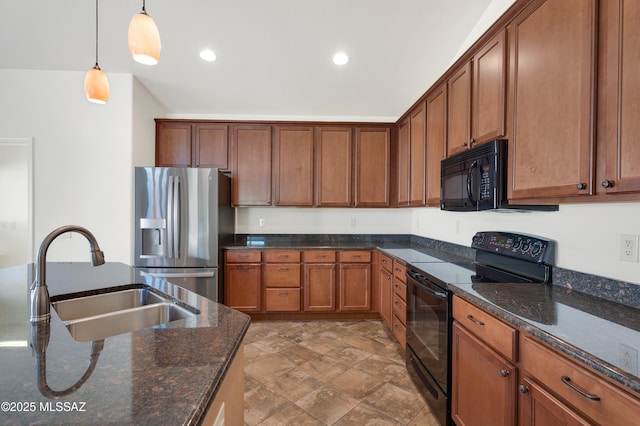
(521, 246)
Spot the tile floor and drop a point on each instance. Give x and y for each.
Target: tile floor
(328, 373)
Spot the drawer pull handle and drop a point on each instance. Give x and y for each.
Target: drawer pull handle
(504, 373)
(283, 269)
(475, 321)
(283, 294)
(523, 388)
(321, 256)
(243, 269)
(567, 381)
(283, 256)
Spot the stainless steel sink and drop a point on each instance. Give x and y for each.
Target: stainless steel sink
(119, 311)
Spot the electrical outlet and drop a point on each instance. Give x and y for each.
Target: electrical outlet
(629, 248)
(260, 223)
(352, 222)
(629, 359)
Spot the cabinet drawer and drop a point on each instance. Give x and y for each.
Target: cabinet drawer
(360, 256)
(400, 271)
(319, 256)
(282, 275)
(386, 262)
(498, 335)
(243, 256)
(400, 289)
(399, 331)
(282, 299)
(399, 308)
(567, 380)
(281, 256)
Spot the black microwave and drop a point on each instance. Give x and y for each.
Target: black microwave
(476, 179)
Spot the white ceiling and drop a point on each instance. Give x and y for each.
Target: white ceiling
(274, 56)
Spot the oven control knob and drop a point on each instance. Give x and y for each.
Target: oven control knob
(517, 243)
(478, 239)
(526, 246)
(536, 248)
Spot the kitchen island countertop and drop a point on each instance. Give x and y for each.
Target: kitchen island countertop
(162, 375)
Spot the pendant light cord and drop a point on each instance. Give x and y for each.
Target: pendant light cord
(144, 11)
(97, 34)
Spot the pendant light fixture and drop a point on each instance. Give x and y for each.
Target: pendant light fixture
(144, 38)
(96, 85)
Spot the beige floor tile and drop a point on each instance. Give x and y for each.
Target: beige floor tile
(260, 404)
(292, 415)
(323, 368)
(293, 384)
(424, 418)
(363, 415)
(356, 383)
(268, 365)
(395, 402)
(327, 404)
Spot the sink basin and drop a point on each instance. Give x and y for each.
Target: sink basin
(85, 306)
(119, 311)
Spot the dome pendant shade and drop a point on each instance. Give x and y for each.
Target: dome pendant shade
(144, 39)
(96, 86)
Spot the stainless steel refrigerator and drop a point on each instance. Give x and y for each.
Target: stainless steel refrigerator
(182, 218)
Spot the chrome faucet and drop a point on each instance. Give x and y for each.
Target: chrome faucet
(40, 302)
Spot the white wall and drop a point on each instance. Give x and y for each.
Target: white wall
(283, 220)
(82, 156)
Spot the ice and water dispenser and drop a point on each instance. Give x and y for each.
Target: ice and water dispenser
(154, 237)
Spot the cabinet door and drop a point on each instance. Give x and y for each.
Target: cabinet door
(211, 145)
(622, 172)
(173, 144)
(333, 166)
(552, 92)
(372, 167)
(293, 166)
(489, 90)
(320, 287)
(417, 157)
(484, 384)
(403, 162)
(251, 169)
(355, 287)
(436, 131)
(386, 291)
(539, 408)
(459, 110)
(242, 287)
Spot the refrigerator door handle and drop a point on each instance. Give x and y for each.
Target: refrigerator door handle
(177, 202)
(178, 274)
(170, 222)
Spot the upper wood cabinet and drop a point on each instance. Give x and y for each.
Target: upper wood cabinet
(436, 119)
(459, 110)
(334, 166)
(183, 144)
(411, 159)
(372, 162)
(552, 93)
(293, 166)
(251, 167)
(621, 19)
(403, 156)
(488, 106)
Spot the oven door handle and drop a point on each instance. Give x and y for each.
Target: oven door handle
(425, 284)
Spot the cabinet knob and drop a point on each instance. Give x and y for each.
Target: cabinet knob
(608, 184)
(523, 389)
(504, 373)
(581, 186)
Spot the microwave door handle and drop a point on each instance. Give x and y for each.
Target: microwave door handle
(470, 181)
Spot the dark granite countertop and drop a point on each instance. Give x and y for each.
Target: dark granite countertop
(161, 375)
(592, 330)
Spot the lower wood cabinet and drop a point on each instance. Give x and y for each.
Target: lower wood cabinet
(320, 287)
(484, 383)
(243, 287)
(541, 408)
(289, 281)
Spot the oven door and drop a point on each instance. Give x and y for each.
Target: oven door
(428, 326)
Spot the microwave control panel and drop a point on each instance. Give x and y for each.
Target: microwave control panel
(526, 247)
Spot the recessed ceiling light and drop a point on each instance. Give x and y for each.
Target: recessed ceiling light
(340, 58)
(208, 55)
